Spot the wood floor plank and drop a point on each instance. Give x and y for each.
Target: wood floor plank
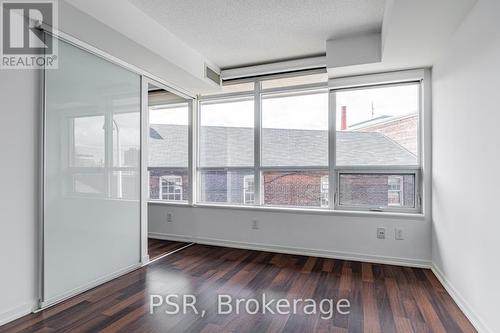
(403, 325)
(311, 261)
(328, 265)
(383, 298)
(371, 321)
(159, 247)
(427, 310)
(367, 272)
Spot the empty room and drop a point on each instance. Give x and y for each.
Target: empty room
(249, 166)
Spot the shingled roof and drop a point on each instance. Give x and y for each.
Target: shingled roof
(233, 147)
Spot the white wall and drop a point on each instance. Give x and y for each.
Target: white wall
(19, 191)
(340, 236)
(466, 165)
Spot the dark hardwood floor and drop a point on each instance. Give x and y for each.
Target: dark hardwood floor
(159, 247)
(383, 298)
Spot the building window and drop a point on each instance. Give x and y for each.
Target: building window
(324, 192)
(395, 192)
(248, 190)
(171, 188)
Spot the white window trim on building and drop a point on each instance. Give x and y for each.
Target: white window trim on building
(399, 190)
(324, 190)
(174, 188)
(249, 189)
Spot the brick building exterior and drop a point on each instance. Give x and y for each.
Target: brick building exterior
(402, 129)
(295, 188)
(375, 190)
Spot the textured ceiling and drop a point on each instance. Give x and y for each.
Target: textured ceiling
(233, 33)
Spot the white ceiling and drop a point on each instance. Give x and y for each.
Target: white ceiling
(233, 33)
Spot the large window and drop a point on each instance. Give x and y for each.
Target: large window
(381, 122)
(294, 148)
(377, 147)
(168, 146)
(226, 149)
(290, 141)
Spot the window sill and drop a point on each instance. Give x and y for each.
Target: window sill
(169, 203)
(311, 211)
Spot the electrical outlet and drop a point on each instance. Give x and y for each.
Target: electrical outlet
(255, 224)
(398, 233)
(170, 217)
(381, 233)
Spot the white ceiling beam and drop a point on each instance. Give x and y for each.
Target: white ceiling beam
(355, 50)
(275, 67)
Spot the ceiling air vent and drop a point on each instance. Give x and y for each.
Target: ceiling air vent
(212, 75)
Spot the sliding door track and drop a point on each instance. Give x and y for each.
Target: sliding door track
(169, 253)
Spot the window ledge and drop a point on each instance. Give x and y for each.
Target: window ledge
(311, 211)
(168, 203)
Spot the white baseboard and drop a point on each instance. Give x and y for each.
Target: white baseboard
(17, 312)
(171, 237)
(461, 302)
(294, 250)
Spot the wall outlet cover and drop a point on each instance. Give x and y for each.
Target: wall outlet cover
(255, 224)
(381, 233)
(398, 232)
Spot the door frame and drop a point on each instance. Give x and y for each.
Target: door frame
(145, 81)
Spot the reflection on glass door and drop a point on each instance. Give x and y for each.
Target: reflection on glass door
(91, 225)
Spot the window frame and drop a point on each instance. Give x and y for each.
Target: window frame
(421, 176)
(373, 81)
(198, 169)
(412, 171)
(283, 92)
(192, 105)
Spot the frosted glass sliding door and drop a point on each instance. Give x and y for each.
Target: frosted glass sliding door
(91, 204)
